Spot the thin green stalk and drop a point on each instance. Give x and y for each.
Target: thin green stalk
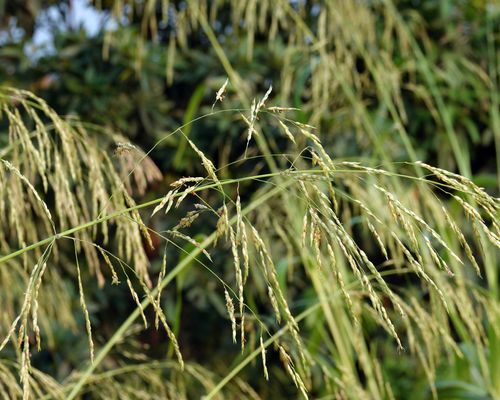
(189, 115)
(150, 203)
(173, 364)
(428, 74)
(118, 213)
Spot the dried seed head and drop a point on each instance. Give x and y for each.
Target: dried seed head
(136, 299)
(115, 280)
(167, 200)
(186, 180)
(230, 311)
(281, 109)
(23, 179)
(286, 131)
(263, 354)
(219, 96)
(83, 304)
(123, 148)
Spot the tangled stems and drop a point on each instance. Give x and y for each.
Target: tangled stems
(183, 264)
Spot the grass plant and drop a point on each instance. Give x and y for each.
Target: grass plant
(304, 208)
(325, 266)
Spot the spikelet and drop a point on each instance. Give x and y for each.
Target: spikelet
(114, 276)
(420, 270)
(190, 240)
(311, 136)
(254, 111)
(137, 302)
(289, 368)
(222, 228)
(28, 184)
(239, 278)
(401, 209)
(476, 217)
(219, 96)
(340, 280)
(187, 221)
(162, 317)
(350, 259)
(456, 181)
(286, 131)
(381, 310)
(136, 217)
(161, 275)
(462, 240)
(25, 368)
(379, 240)
(490, 205)
(230, 311)
(397, 212)
(184, 181)
(316, 245)
(29, 304)
(263, 355)
(305, 222)
(209, 166)
(34, 308)
(440, 263)
(123, 148)
(83, 304)
(11, 332)
(167, 200)
(244, 252)
(262, 102)
(381, 281)
(251, 128)
(239, 220)
(278, 110)
(274, 303)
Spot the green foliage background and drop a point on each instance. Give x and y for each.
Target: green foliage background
(384, 82)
